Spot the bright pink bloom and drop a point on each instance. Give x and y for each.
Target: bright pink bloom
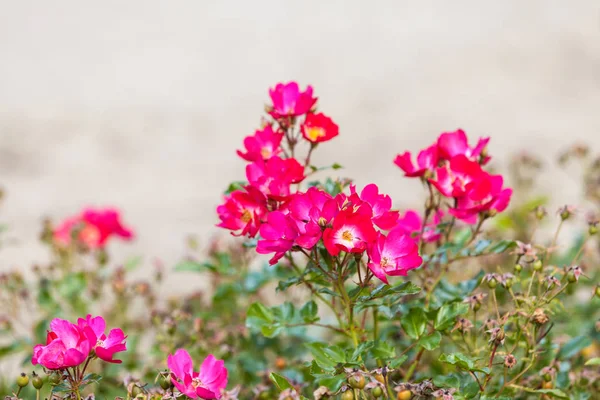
(351, 231)
(319, 128)
(496, 200)
(427, 161)
(312, 211)
(274, 176)
(95, 226)
(412, 224)
(66, 346)
(288, 100)
(263, 145)
(451, 144)
(243, 209)
(104, 346)
(381, 205)
(207, 384)
(393, 255)
(278, 235)
(462, 177)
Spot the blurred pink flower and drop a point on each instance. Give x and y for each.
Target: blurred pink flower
(207, 384)
(66, 346)
(104, 346)
(263, 145)
(288, 100)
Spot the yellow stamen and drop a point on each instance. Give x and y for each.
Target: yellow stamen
(347, 236)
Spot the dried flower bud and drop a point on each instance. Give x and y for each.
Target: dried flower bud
(540, 212)
(321, 393)
(497, 336)
(552, 281)
(538, 265)
(444, 394)
(539, 316)
(475, 300)
(566, 212)
(462, 325)
(510, 361)
(573, 273)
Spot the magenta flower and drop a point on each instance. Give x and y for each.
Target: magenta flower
(207, 384)
(462, 177)
(263, 145)
(412, 224)
(104, 346)
(311, 211)
(95, 226)
(351, 231)
(275, 176)
(427, 162)
(278, 235)
(243, 210)
(451, 144)
(66, 346)
(393, 255)
(288, 100)
(381, 205)
(495, 200)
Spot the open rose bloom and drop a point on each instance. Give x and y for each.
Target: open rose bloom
(207, 383)
(70, 345)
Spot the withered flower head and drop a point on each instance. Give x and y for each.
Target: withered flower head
(566, 211)
(510, 361)
(321, 392)
(539, 316)
(552, 281)
(497, 336)
(444, 394)
(462, 325)
(289, 394)
(525, 250)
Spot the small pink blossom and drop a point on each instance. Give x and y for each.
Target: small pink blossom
(206, 384)
(427, 162)
(393, 255)
(66, 346)
(95, 227)
(278, 235)
(351, 230)
(451, 144)
(263, 145)
(381, 205)
(243, 210)
(288, 100)
(274, 177)
(411, 223)
(312, 211)
(104, 346)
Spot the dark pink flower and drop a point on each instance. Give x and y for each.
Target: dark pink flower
(288, 100)
(451, 144)
(207, 384)
(494, 201)
(411, 223)
(274, 176)
(312, 211)
(462, 177)
(381, 205)
(319, 128)
(243, 210)
(278, 235)
(66, 346)
(393, 255)
(95, 227)
(104, 346)
(351, 231)
(427, 161)
(263, 145)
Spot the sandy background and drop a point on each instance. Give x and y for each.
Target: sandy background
(141, 104)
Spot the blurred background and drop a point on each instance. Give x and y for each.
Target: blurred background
(142, 104)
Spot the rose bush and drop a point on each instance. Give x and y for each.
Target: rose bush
(477, 294)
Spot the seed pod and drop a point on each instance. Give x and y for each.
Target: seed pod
(23, 380)
(55, 378)
(37, 382)
(518, 268)
(404, 395)
(348, 395)
(492, 283)
(357, 382)
(377, 392)
(537, 265)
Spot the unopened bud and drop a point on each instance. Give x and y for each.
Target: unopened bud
(36, 381)
(55, 378)
(538, 265)
(492, 283)
(518, 268)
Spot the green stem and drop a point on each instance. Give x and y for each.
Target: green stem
(413, 366)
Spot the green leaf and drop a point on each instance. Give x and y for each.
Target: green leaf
(72, 285)
(383, 350)
(336, 166)
(309, 312)
(446, 316)
(501, 246)
(8, 349)
(398, 361)
(573, 346)
(593, 361)
(236, 185)
(431, 342)
(281, 382)
(326, 357)
(359, 353)
(333, 383)
(414, 323)
(446, 381)
(194, 266)
(462, 361)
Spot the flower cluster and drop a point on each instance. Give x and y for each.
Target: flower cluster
(93, 228)
(288, 219)
(70, 345)
(455, 169)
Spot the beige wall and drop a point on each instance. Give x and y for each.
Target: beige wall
(142, 104)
